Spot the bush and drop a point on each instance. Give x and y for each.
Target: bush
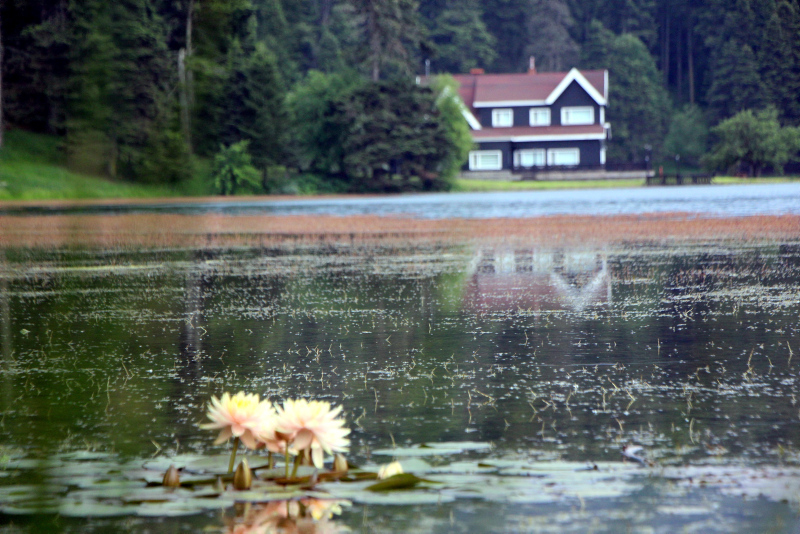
(751, 141)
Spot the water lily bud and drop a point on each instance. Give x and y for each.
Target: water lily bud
(243, 477)
(340, 463)
(390, 470)
(171, 478)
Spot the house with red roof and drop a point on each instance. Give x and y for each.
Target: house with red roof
(535, 122)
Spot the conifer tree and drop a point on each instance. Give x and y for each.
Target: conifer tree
(460, 38)
(736, 83)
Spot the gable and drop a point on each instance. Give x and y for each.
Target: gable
(536, 89)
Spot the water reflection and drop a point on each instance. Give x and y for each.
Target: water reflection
(537, 279)
(303, 516)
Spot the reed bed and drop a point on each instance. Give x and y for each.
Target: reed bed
(214, 230)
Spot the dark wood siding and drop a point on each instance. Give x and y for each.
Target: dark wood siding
(574, 95)
(590, 150)
(503, 146)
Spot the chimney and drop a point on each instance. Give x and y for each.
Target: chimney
(532, 65)
(476, 71)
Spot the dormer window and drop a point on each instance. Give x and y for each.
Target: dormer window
(502, 118)
(575, 115)
(540, 117)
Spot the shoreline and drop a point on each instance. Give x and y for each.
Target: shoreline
(155, 230)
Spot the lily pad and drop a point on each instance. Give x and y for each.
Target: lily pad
(401, 481)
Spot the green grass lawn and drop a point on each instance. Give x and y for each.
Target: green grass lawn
(32, 167)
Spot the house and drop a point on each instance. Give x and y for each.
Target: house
(535, 122)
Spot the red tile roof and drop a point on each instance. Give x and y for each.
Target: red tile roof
(519, 87)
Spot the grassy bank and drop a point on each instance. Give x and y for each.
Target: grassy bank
(32, 167)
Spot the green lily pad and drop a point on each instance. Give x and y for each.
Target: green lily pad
(93, 508)
(402, 498)
(401, 481)
(180, 508)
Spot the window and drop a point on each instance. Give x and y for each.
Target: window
(529, 158)
(540, 116)
(485, 160)
(563, 156)
(502, 118)
(577, 115)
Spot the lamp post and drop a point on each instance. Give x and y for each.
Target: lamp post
(678, 168)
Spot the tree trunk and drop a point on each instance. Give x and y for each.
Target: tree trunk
(2, 123)
(678, 64)
(189, 52)
(374, 43)
(690, 66)
(184, 98)
(665, 50)
(325, 12)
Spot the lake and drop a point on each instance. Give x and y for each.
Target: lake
(525, 338)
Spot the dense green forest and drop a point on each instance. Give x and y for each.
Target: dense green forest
(281, 95)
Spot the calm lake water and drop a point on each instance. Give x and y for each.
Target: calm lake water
(548, 353)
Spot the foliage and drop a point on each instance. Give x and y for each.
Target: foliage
(550, 41)
(688, 135)
(317, 129)
(457, 130)
(460, 38)
(252, 105)
(233, 169)
(390, 31)
(105, 76)
(638, 104)
(751, 141)
(394, 139)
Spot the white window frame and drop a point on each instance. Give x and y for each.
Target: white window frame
(476, 163)
(499, 115)
(602, 114)
(567, 111)
(537, 153)
(539, 117)
(553, 153)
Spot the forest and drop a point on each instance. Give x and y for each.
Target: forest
(320, 95)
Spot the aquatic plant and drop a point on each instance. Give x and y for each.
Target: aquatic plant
(242, 416)
(312, 427)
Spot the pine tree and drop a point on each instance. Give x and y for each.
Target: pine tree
(122, 81)
(638, 104)
(391, 32)
(550, 40)
(736, 83)
(507, 20)
(460, 38)
(253, 105)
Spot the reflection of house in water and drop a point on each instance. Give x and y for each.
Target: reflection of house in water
(537, 280)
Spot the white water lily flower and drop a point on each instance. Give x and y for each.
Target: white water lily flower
(243, 416)
(312, 425)
(390, 470)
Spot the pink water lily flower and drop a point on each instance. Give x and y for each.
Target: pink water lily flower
(242, 416)
(313, 426)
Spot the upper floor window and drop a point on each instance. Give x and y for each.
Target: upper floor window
(577, 115)
(540, 117)
(502, 118)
